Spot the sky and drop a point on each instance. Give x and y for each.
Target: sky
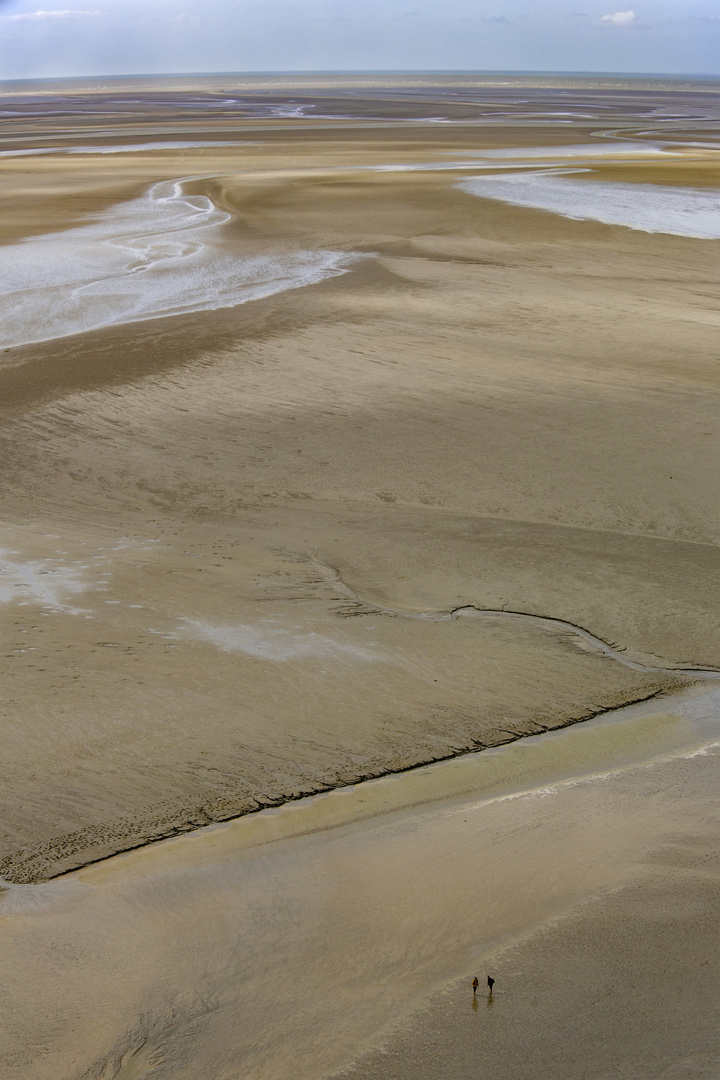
(56, 38)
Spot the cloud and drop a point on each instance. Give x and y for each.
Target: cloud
(497, 19)
(45, 16)
(620, 18)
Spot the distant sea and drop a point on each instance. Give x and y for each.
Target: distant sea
(366, 79)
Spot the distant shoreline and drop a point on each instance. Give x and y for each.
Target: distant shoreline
(408, 77)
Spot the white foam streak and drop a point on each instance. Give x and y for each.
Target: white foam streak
(123, 148)
(651, 208)
(154, 256)
(575, 151)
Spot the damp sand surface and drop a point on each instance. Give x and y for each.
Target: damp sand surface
(577, 868)
(233, 538)
(242, 550)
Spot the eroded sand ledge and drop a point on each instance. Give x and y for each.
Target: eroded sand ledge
(94, 844)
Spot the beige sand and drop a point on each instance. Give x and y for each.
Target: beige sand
(626, 985)
(233, 539)
(578, 868)
(497, 407)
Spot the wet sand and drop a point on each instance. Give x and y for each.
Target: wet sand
(578, 867)
(237, 542)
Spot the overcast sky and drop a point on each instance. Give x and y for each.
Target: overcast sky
(53, 38)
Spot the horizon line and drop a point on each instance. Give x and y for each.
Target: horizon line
(369, 72)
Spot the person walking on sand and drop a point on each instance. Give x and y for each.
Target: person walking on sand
(475, 985)
(491, 983)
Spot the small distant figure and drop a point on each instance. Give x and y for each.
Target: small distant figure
(475, 985)
(491, 983)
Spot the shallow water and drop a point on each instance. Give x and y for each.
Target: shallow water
(578, 151)
(282, 944)
(158, 255)
(651, 208)
(125, 148)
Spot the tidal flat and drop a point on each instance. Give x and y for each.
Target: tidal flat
(352, 425)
